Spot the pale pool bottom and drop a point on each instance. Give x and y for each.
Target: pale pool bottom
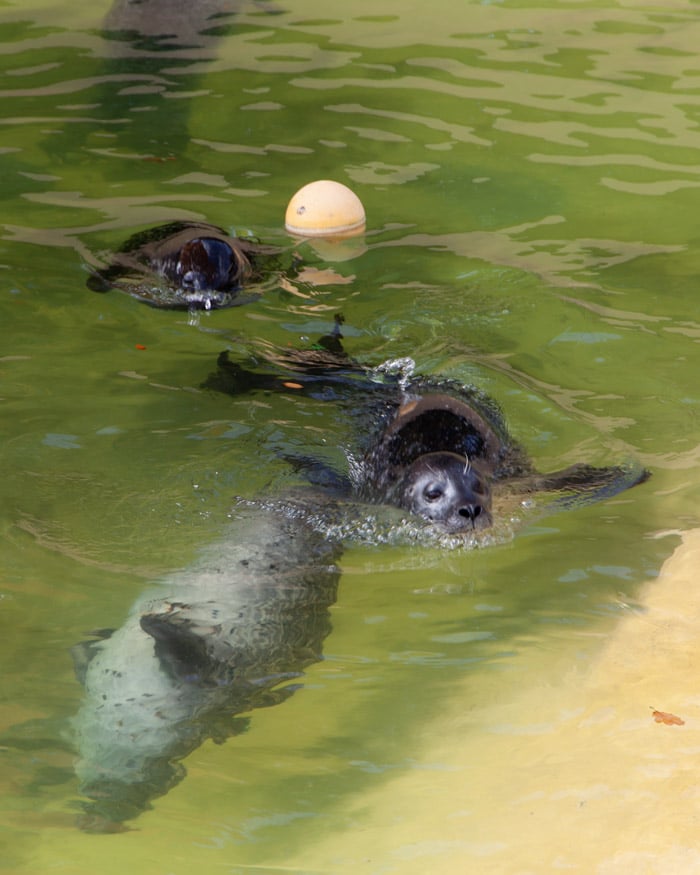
(574, 775)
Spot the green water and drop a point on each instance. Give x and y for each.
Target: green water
(530, 176)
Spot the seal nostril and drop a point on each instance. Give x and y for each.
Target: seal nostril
(470, 511)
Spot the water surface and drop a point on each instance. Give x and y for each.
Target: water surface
(529, 172)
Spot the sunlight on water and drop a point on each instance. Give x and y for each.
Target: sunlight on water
(529, 173)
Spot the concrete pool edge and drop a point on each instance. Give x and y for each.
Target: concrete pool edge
(572, 772)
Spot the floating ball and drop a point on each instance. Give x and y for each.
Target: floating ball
(325, 209)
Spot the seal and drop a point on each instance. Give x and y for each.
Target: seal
(435, 457)
(236, 630)
(448, 457)
(185, 265)
(433, 447)
(232, 632)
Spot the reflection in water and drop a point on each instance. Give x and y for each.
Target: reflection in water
(158, 47)
(525, 247)
(175, 24)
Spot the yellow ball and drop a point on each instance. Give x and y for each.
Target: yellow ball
(325, 209)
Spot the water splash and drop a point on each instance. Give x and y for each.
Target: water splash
(360, 523)
(403, 368)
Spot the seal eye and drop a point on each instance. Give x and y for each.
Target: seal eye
(433, 493)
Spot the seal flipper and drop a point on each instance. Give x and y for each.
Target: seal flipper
(323, 370)
(84, 652)
(232, 378)
(180, 645)
(581, 484)
(321, 474)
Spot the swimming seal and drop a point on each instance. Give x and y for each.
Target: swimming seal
(444, 453)
(433, 447)
(446, 489)
(185, 265)
(235, 631)
(435, 458)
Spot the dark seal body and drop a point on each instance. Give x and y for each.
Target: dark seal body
(223, 636)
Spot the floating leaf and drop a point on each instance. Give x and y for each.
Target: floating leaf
(668, 719)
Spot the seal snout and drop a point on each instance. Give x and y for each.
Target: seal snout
(470, 515)
(470, 511)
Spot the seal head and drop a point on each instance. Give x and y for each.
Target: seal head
(445, 488)
(185, 265)
(436, 458)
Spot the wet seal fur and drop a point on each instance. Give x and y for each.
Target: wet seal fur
(184, 266)
(434, 459)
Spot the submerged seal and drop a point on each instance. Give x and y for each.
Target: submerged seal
(185, 265)
(231, 633)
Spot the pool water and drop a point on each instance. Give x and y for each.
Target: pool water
(530, 176)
